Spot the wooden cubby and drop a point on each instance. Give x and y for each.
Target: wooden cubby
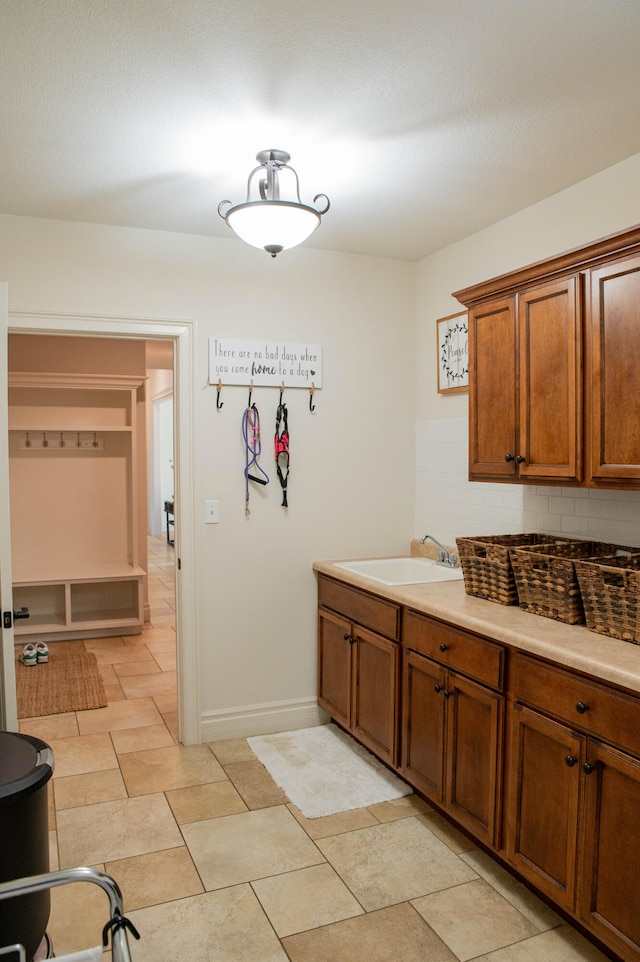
(73, 464)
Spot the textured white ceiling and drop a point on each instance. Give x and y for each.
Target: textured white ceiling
(423, 120)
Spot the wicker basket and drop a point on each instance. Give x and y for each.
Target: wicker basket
(546, 577)
(486, 564)
(610, 590)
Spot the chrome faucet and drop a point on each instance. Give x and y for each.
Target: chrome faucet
(445, 557)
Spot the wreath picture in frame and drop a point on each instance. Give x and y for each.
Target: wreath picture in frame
(452, 334)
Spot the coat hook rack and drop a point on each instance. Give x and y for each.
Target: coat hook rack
(219, 403)
(312, 406)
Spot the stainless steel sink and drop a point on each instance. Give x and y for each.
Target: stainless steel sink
(402, 571)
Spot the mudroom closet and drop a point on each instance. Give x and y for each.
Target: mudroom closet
(77, 461)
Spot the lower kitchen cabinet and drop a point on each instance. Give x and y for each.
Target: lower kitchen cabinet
(573, 799)
(538, 762)
(452, 726)
(358, 671)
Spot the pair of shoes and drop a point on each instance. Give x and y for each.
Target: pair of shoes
(35, 654)
(29, 655)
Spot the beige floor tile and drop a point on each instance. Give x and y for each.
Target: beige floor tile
(393, 862)
(205, 801)
(82, 754)
(231, 750)
(78, 914)
(51, 726)
(161, 646)
(75, 790)
(306, 899)
(155, 878)
(446, 832)
(151, 634)
(162, 769)
(398, 808)
(128, 668)
(51, 805)
(513, 891)
(170, 719)
(95, 644)
(395, 933)
(166, 660)
(141, 739)
(108, 675)
(333, 824)
(122, 654)
(249, 846)
(114, 830)
(123, 714)
(114, 693)
(255, 784)
(166, 701)
(140, 686)
(227, 926)
(473, 919)
(53, 851)
(558, 945)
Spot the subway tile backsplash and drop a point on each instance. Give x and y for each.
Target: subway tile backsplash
(448, 506)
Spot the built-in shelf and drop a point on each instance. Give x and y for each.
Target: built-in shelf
(74, 505)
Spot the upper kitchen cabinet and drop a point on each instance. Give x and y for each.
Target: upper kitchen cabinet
(525, 390)
(613, 344)
(554, 369)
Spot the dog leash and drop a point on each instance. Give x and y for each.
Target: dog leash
(253, 447)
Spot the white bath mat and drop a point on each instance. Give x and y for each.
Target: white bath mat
(324, 771)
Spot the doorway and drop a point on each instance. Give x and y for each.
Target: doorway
(181, 337)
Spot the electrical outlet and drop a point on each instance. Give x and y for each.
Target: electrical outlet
(211, 512)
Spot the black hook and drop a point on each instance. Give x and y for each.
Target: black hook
(219, 403)
(250, 393)
(312, 406)
(113, 925)
(281, 393)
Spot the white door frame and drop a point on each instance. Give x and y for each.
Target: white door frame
(8, 704)
(183, 334)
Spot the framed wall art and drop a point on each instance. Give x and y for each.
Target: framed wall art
(452, 334)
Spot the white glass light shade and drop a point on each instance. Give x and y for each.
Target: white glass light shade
(273, 223)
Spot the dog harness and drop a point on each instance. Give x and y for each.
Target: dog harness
(281, 449)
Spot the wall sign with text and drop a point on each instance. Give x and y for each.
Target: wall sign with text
(453, 353)
(266, 363)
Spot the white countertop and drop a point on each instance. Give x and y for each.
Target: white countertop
(571, 645)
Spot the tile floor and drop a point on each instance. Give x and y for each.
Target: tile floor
(216, 865)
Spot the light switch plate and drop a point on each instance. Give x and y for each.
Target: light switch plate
(211, 512)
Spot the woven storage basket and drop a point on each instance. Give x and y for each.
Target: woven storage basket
(546, 577)
(610, 590)
(486, 564)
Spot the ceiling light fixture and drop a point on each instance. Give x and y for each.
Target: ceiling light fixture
(271, 223)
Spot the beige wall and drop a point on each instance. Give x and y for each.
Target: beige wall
(447, 504)
(351, 488)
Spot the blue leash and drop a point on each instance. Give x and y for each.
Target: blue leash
(253, 447)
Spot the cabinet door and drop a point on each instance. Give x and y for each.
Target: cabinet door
(550, 381)
(374, 711)
(542, 811)
(334, 666)
(423, 715)
(614, 360)
(474, 740)
(608, 900)
(492, 391)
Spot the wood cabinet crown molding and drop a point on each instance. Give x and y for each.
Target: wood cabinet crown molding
(620, 244)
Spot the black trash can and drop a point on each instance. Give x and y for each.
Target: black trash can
(26, 765)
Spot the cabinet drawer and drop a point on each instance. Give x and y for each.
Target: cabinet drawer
(371, 612)
(585, 705)
(469, 654)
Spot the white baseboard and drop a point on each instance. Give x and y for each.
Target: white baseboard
(281, 716)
